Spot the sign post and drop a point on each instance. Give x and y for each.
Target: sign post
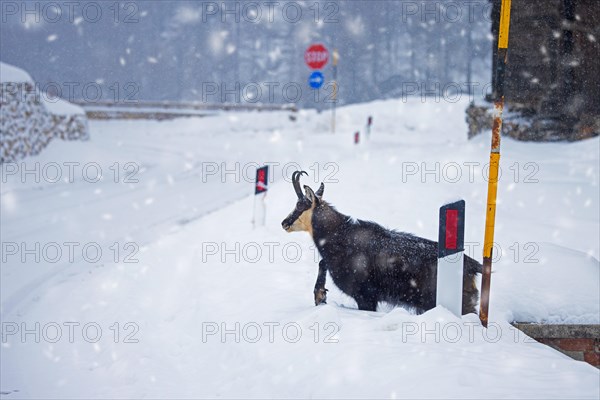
(316, 56)
(336, 58)
(451, 247)
(316, 79)
(490, 216)
(260, 192)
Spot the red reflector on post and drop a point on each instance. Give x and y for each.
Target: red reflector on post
(451, 235)
(262, 183)
(451, 228)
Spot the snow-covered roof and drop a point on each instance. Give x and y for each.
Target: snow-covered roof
(10, 73)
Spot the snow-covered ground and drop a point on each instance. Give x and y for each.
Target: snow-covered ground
(189, 300)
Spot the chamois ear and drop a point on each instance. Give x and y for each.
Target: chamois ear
(310, 195)
(319, 192)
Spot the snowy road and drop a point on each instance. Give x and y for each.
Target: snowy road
(131, 182)
(190, 301)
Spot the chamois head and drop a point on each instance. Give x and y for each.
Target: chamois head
(300, 219)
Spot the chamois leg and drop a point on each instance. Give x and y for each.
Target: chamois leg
(470, 295)
(320, 292)
(366, 304)
(367, 299)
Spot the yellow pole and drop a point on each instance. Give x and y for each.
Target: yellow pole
(336, 57)
(490, 217)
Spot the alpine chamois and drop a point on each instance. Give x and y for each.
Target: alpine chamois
(371, 263)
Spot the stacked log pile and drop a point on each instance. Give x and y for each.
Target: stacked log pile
(27, 125)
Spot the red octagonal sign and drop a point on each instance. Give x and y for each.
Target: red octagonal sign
(316, 56)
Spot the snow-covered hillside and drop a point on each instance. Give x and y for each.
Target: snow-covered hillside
(187, 299)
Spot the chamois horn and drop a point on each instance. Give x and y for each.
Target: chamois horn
(296, 182)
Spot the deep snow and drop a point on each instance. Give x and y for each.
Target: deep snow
(201, 268)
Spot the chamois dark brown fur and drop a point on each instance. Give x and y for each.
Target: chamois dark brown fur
(371, 263)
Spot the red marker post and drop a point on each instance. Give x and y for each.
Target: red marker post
(356, 137)
(451, 247)
(261, 186)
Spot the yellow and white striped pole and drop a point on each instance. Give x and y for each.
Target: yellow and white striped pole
(490, 217)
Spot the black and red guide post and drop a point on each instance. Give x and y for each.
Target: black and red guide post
(262, 180)
(451, 247)
(356, 137)
(261, 186)
(452, 229)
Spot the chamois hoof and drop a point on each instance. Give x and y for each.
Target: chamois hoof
(320, 296)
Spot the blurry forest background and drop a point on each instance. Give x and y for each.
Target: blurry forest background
(175, 50)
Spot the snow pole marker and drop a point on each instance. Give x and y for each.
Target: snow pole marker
(260, 190)
(356, 137)
(451, 248)
(490, 217)
(368, 130)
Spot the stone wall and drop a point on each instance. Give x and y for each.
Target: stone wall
(553, 74)
(520, 126)
(27, 126)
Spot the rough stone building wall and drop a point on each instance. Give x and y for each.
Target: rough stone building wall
(515, 125)
(552, 81)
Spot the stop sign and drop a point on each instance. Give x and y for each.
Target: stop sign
(316, 56)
